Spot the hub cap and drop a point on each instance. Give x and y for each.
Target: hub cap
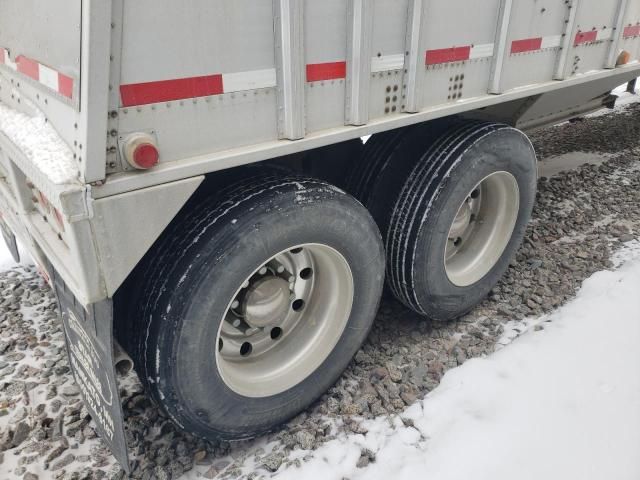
(285, 320)
(266, 302)
(482, 229)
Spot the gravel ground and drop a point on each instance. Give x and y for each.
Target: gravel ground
(582, 216)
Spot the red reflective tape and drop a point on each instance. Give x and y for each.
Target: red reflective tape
(65, 85)
(448, 55)
(170, 90)
(317, 72)
(632, 31)
(585, 37)
(28, 67)
(526, 45)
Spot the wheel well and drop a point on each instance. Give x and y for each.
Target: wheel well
(327, 163)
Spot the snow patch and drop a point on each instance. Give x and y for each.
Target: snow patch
(40, 143)
(6, 260)
(630, 253)
(561, 401)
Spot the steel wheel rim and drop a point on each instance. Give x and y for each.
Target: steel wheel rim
(482, 229)
(263, 349)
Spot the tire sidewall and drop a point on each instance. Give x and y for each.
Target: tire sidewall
(193, 392)
(506, 150)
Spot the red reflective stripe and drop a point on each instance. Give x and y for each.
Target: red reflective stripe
(170, 90)
(31, 68)
(632, 31)
(65, 85)
(447, 55)
(317, 72)
(28, 67)
(586, 37)
(526, 45)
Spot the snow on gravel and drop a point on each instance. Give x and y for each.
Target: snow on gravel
(624, 100)
(41, 144)
(562, 401)
(6, 260)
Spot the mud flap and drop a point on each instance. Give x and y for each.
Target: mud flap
(89, 337)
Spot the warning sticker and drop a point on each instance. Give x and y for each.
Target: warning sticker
(90, 349)
(92, 380)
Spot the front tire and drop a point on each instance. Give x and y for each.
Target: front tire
(257, 303)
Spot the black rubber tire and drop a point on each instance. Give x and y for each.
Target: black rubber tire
(196, 271)
(374, 159)
(425, 174)
(331, 163)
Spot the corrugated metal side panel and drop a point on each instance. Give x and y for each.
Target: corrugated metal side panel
(45, 37)
(458, 59)
(40, 63)
(210, 84)
(594, 30)
(202, 78)
(388, 61)
(631, 31)
(533, 42)
(326, 55)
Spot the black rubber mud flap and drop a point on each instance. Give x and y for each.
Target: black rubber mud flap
(89, 337)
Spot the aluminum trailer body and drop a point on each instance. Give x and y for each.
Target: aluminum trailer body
(220, 84)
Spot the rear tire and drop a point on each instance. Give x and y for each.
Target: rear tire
(421, 180)
(238, 258)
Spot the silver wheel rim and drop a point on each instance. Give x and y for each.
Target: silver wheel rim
(482, 229)
(284, 320)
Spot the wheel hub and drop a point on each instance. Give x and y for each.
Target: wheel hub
(284, 320)
(267, 302)
(461, 222)
(482, 228)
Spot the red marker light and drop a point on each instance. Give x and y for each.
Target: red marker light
(140, 151)
(146, 156)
